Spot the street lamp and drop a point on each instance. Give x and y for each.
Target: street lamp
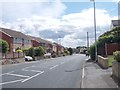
(95, 30)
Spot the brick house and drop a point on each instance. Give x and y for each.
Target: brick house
(15, 39)
(58, 48)
(37, 41)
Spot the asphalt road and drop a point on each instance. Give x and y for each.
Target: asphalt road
(61, 72)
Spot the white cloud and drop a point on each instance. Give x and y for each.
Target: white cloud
(72, 28)
(12, 10)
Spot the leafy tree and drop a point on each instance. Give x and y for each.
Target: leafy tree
(70, 50)
(39, 51)
(4, 47)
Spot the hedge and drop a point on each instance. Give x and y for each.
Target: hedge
(117, 56)
(4, 47)
(92, 52)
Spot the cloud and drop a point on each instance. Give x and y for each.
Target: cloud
(13, 10)
(71, 28)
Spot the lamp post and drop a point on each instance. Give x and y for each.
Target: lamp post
(87, 42)
(95, 30)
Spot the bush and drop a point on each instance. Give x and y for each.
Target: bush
(4, 47)
(19, 50)
(92, 52)
(66, 52)
(31, 52)
(70, 50)
(39, 51)
(117, 56)
(26, 51)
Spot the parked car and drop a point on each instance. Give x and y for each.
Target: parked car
(47, 55)
(28, 58)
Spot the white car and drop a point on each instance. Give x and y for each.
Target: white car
(28, 58)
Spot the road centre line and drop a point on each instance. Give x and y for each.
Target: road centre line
(17, 75)
(11, 81)
(32, 76)
(53, 66)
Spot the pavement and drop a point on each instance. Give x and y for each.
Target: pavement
(95, 77)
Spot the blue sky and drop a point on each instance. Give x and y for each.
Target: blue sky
(74, 7)
(68, 20)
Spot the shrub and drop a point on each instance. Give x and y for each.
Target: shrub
(31, 52)
(66, 52)
(70, 50)
(19, 50)
(39, 51)
(117, 56)
(4, 47)
(26, 51)
(92, 52)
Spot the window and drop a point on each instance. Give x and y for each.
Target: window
(17, 40)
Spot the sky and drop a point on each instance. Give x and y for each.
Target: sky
(63, 21)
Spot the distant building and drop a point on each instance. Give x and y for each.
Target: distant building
(115, 23)
(15, 39)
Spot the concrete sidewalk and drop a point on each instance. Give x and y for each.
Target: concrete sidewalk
(96, 77)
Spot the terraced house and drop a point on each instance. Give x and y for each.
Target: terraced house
(37, 41)
(15, 39)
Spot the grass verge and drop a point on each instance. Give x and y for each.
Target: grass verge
(110, 60)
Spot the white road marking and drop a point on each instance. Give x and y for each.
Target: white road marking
(83, 73)
(6, 73)
(27, 67)
(30, 70)
(53, 66)
(11, 81)
(32, 76)
(35, 70)
(62, 62)
(17, 75)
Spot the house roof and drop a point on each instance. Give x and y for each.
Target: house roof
(38, 39)
(13, 33)
(116, 23)
(57, 44)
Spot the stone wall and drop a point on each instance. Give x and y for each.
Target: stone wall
(103, 62)
(116, 71)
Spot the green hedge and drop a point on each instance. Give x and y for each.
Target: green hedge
(4, 47)
(39, 51)
(92, 52)
(117, 56)
(36, 51)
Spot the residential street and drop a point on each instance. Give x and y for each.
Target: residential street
(61, 72)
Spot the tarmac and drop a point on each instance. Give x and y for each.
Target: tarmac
(95, 77)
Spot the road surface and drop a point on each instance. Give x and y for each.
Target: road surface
(61, 72)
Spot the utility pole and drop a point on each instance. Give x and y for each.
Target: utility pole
(95, 30)
(87, 41)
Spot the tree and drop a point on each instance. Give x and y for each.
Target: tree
(4, 47)
(70, 50)
(39, 51)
